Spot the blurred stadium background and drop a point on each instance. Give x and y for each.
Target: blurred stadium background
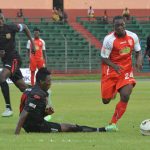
(74, 47)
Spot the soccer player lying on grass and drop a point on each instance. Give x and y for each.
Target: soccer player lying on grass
(33, 110)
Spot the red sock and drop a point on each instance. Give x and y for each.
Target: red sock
(32, 77)
(119, 111)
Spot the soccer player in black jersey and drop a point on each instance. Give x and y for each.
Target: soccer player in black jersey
(10, 58)
(33, 109)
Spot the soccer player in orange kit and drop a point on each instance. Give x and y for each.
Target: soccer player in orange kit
(37, 60)
(117, 70)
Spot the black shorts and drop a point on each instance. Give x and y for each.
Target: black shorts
(45, 127)
(14, 66)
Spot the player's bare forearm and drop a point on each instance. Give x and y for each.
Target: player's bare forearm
(45, 57)
(22, 119)
(139, 60)
(111, 64)
(28, 34)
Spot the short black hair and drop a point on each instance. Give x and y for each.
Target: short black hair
(42, 74)
(117, 17)
(36, 29)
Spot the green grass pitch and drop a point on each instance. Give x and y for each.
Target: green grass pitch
(80, 103)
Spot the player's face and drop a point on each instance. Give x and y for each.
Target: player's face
(36, 34)
(119, 27)
(1, 20)
(46, 84)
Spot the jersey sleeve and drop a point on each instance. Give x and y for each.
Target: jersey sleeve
(106, 48)
(137, 46)
(30, 104)
(28, 44)
(43, 47)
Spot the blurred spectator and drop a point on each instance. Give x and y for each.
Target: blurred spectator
(55, 15)
(1, 11)
(105, 17)
(90, 13)
(65, 17)
(126, 14)
(20, 13)
(60, 13)
(147, 52)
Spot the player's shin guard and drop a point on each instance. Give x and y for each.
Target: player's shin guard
(5, 92)
(119, 111)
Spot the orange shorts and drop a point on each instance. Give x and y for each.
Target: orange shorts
(111, 84)
(36, 64)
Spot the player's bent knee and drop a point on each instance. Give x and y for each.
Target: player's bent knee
(106, 101)
(2, 79)
(125, 98)
(22, 88)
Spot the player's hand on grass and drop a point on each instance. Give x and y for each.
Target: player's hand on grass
(2, 53)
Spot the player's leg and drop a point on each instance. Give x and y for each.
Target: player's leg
(108, 89)
(120, 109)
(6, 95)
(32, 77)
(21, 85)
(78, 128)
(33, 66)
(5, 91)
(121, 106)
(56, 127)
(17, 79)
(124, 86)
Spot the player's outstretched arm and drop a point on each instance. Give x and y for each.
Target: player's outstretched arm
(28, 34)
(22, 119)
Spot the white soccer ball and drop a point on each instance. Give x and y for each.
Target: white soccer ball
(145, 127)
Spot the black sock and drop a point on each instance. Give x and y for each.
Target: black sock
(89, 129)
(6, 95)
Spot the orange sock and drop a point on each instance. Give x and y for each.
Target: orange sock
(32, 77)
(119, 111)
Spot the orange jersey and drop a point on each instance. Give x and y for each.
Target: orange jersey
(39, 47)
(119, 51)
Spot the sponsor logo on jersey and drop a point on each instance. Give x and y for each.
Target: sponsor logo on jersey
(32, 105)
(125, 50)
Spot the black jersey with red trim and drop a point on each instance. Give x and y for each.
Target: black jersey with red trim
(34, 102)
(7, 40)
